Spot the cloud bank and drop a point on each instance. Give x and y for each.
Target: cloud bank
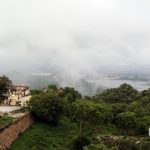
(78, 36)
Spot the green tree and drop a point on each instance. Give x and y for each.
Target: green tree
(124, 94)
(145, 100)
(33, 92)
(126, 120)
(5, 85)
(81, 110)
(52, 87)
(47, 107)
(117, 108)
(71, 94)
(143, 124)
(68, 108)
(89, 111)
(99, 113)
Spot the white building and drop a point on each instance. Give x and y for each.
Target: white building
(18, 96)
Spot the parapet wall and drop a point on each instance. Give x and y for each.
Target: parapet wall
(10, 132)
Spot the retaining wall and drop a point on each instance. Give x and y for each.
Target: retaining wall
(10, 132)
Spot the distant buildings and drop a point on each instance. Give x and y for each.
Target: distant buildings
(18, 95)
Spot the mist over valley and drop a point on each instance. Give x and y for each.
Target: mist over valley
(87, 84)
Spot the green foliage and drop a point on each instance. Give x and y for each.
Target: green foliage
(117, 108)
(81, 109)
(100, 114)
(133, 106)
(47, 107)
(116, 111)
(143, 124)
(127, 145)
(145, 100)
(123, 107)
(145, 145)
(126, 120)
(124, 94)
(52, 87)
(33, 92)
(88, 111)
(43, 136)
(80, 142)
(68, 108)
(96, 147)
(5, 120)
(71, 94)
(145, 93)
(5, 84)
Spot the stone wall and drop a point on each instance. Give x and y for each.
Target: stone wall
(10, 132)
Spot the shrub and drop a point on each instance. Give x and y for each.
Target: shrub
(80, 142)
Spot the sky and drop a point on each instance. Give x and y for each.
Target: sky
(74, 35)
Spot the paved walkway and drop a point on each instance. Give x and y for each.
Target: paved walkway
(17, 115)
(9, 108)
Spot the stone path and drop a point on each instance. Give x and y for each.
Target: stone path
(9, 108)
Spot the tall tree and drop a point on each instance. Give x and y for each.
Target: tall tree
(5, 85)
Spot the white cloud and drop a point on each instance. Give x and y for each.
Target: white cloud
(81, 35)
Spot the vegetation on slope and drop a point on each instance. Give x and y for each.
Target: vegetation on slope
(4, 120)
(119, 111)
(66, 136)
(42, 136)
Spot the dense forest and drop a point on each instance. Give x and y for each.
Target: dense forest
(118, 112)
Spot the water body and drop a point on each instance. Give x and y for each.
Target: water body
(87, 85)
(114, 83)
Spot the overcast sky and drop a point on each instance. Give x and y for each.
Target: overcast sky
(74, 35)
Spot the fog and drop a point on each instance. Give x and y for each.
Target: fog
(76, 37)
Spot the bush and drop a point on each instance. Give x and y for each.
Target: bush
(126, 120)
(145, 146)
(81, 142)
(96, 147)
(142, 125)
(127, 145)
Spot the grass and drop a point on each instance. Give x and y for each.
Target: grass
(5, 121)
(42, 136)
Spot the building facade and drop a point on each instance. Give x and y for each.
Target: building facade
(18, 95)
